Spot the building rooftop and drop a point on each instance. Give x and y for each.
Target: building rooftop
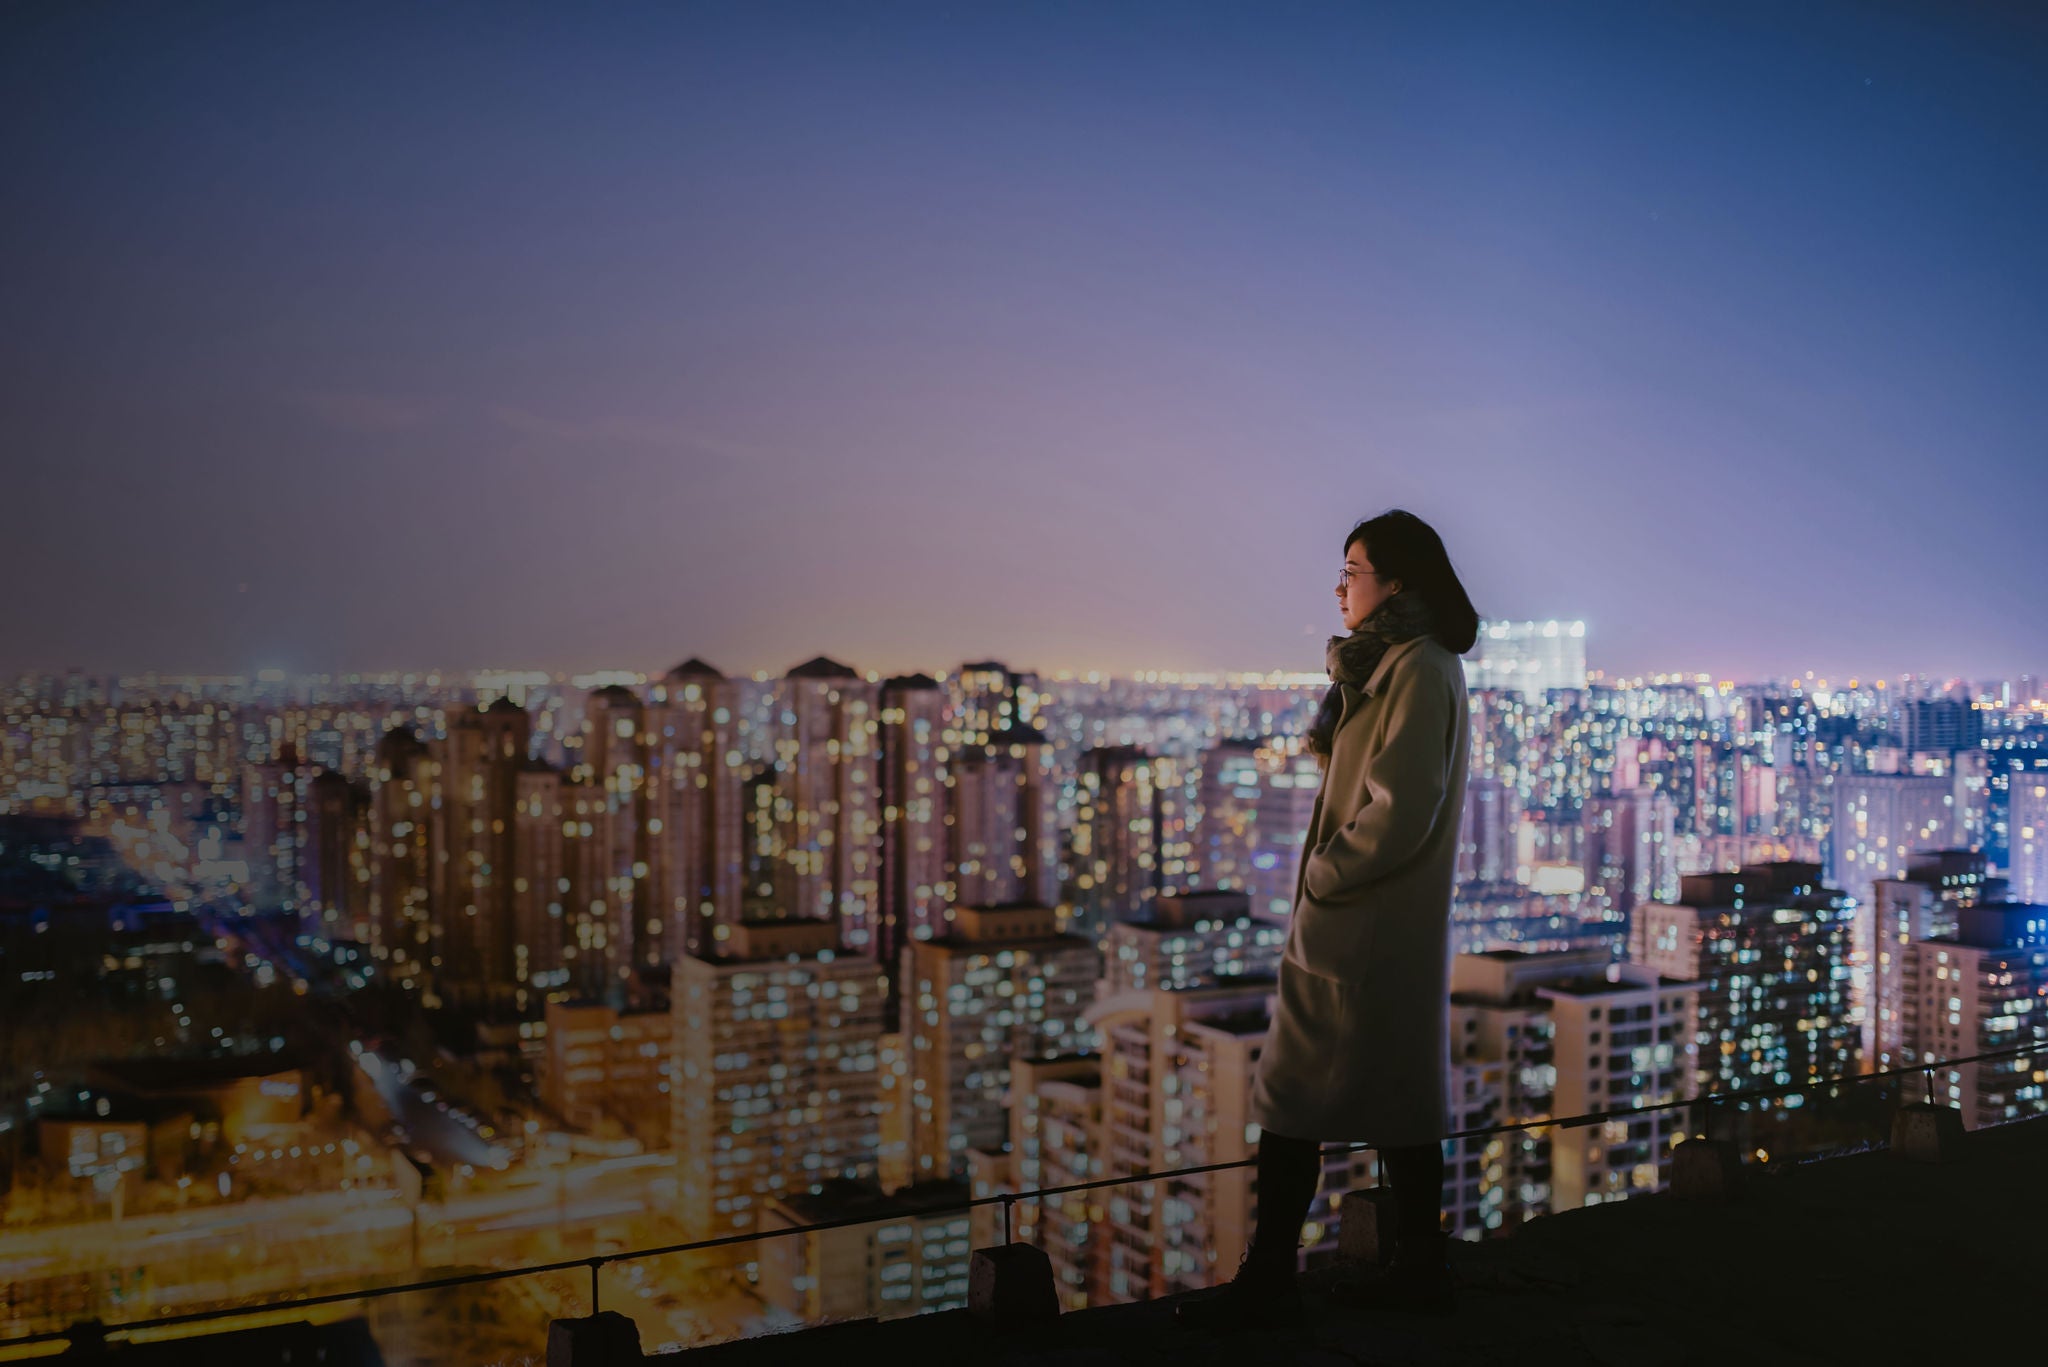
(400, 742)
(1935, 863)
(1782, 1276)
(841, 1198)
(587, 1003)
(1060, 939)
(763, 941)
(1243, 1021)
(1019, 733)
(822, 667)
(906, 683)
(1601, 987)
(1785, 881)
(155, 1076)
(1999, 925)
(1104, 759)
(1185, 910)
(1003, 925)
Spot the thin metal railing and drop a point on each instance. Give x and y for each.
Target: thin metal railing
(1702, 1103)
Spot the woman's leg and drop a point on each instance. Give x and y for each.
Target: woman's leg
(1264, 1291)
(1289, 1170)
(1416, 1173)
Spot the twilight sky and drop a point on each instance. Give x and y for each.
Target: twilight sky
(1076, 335)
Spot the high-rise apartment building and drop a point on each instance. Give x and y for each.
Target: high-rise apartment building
(609, 1069)
(334, 875)
(614, 768)
(1256, 797)
(1769, 947)
(1920, 906)
(1191, 939)
(2027, 834)
(1486, 831)
(1055, 1139)
(1177, 1070)
(917, 817)
(1003, 985)
(596, 951)
(1529, 657)
(1618, 1044)
(1003, 840)
(1131, 839)
(1228, 832)
(904, 1253)
(401, 856)
(827, 811)
(1631, 851)
(274, 797)
(472, 820)
(776, 1087)
(892, 1069)
(988, 697)
(701, 756)
(1943, 724)
(542, 896)
(1980, 990)
(1572, 1033)
(1880, 820)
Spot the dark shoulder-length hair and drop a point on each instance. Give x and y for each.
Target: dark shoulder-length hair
(1402, 546)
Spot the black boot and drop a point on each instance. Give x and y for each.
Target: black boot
(1263, 1295)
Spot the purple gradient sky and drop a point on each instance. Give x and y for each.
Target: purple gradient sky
(1073, 335)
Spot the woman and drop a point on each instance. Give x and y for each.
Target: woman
(1357, 1049)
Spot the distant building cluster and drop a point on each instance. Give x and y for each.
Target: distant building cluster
(827, 937)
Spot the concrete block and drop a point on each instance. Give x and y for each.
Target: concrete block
(606, 1339)
(88, 1337)
(1927, 1133)
(1706, 1170)
(1365, 1226)
(1011, 1282)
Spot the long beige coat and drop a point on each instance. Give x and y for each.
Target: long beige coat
(1358, 1047)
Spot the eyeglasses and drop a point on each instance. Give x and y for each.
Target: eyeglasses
(1347, 574)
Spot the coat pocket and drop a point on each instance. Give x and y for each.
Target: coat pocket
(1333, 940)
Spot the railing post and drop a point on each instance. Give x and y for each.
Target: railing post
(1011, 1283)
(595, 1264)
(1927, 1132)
(1702, 1168)
(1009, 1200)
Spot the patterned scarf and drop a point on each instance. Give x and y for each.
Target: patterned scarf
(1351, 659)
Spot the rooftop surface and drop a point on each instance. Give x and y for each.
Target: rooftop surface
(1862, 1260)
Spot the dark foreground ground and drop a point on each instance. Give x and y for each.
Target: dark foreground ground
(1866, 1260)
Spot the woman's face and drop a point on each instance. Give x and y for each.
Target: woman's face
(1359, 588)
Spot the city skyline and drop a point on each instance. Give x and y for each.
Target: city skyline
(494, 677)
(1072, 337)
(384, 976)
(665, 676)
